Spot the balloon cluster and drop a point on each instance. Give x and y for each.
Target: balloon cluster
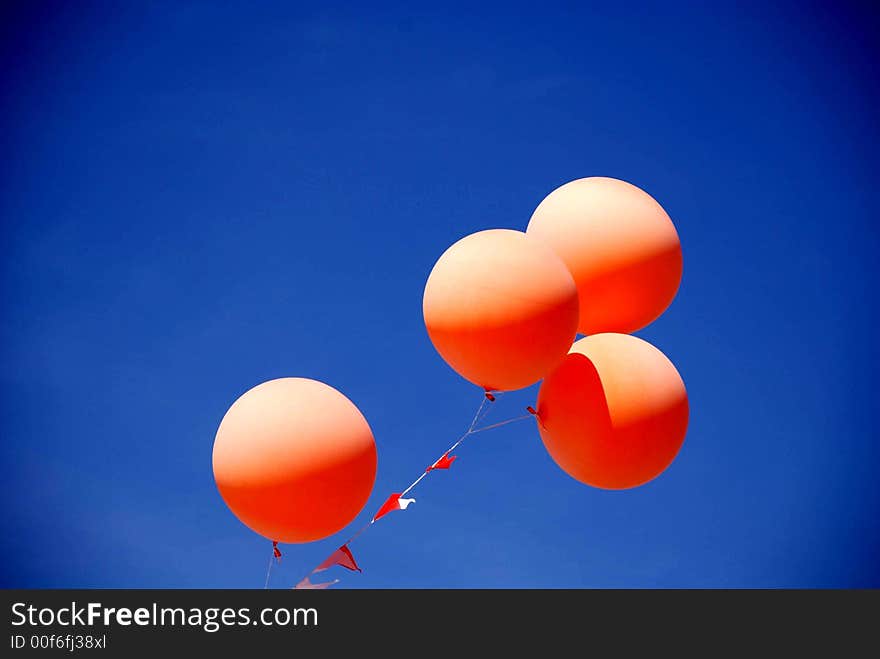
(502, 307)
(295, 460)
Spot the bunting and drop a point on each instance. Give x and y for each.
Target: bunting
(445, 462)
(394, 502)
(306, 584)
(343, 556)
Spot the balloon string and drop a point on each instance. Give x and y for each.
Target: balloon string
(481, 413)
(269, 570)
(502, 423)
(477, 414)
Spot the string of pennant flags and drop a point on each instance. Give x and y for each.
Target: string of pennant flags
(343, 556)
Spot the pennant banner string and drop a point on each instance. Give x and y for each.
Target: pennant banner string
(482, 412)
(395, 501)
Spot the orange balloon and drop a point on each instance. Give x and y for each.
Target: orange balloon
(500, 308)
(294, 460)
(620, 246)
(614, 413)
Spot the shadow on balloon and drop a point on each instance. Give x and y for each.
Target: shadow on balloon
(600, 440)
(626, 304)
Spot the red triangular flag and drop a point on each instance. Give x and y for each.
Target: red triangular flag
(444, 462)
(393, 503)
(306, 584)
(341, 556)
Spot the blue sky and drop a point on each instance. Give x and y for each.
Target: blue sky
(199, 198)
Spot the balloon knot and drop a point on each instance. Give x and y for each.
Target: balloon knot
(531, 410)
(490, 397)
(275, 551)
